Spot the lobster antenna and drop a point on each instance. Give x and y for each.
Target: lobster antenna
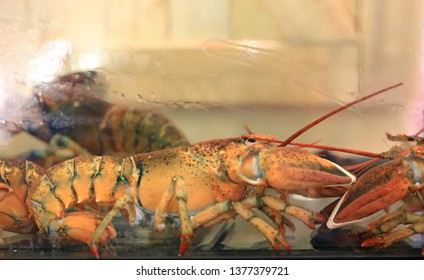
(329, 148)
(326, 116)
(313, 145)
(419, 132)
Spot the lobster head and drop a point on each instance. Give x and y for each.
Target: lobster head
(284, 168)
(60, 105)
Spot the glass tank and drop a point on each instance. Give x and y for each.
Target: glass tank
(117, 78)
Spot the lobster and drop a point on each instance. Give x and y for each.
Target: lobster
(399, 178)
(69, 112)
(18, 180)
(201, 184)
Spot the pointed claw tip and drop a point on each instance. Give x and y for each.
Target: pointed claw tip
(95, 252)
(287, 247)
(183, 249)
(94, 249)
(185, 243)
(282, 239)
(276, 248)
(372, 242)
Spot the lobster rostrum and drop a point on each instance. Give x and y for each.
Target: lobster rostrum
(400, 178)
(70, 112)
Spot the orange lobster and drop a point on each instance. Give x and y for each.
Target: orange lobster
(202, 184)
(400, 178)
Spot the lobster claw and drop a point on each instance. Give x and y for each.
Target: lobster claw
(286, 168)
(377, 189)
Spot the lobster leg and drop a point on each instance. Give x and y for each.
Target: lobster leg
(210, 219)
(124, 203)
(178, 187)
(186, 225)
(279, 219)
(272, 207)
(59, 140)
(217, 213)
(390, 221)
(304, 215)
(266, 229)
(387, 239)
(226, 210)
(381, 226)
(161, 210)
(50, 156)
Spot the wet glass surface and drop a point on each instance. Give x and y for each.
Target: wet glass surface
(133, 243)
(212, 70)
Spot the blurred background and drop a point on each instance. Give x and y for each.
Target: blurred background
(214, 66)
(274, 65)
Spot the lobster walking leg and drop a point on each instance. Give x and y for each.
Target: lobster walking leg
(186, 225)
(59, 140)
(210, 219)
(304, 215)
(387, 239)
(226, 210)
(266, 229)
(275, 215)
(162, 209)
(271, 206)
(124, 204)
(217, 213)
(279, 220)
(387, 224)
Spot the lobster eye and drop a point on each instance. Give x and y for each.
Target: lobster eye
(410, 138)
(250, 141)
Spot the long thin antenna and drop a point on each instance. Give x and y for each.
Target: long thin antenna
(342, 150)
(326, 116)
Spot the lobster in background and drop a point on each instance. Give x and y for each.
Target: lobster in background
(401, 178)
(201, 184)
(70, 112)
